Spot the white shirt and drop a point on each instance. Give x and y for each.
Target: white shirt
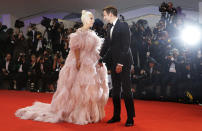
(7, 63)
(151, 70)
(113, 27)
(33, 35)
(41, 67)
(20, 69)
(39, 45)
(172, 68)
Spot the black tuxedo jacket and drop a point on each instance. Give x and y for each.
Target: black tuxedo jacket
(24, 66)
(11, 67)
(117, 50)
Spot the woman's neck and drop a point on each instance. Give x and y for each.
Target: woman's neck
(84, 28)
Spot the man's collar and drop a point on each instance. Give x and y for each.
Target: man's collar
(115, 21)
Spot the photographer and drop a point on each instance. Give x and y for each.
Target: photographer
(160, 27)
(57, 31)
(40, 45)
(168, 12)
(21, 68)
(138, 75)
(149, 79)
(170, 74)
(58, 63)
(3, 37)
(44, 69)
(143, 38)
(98, 28)
(163, 48)
(32, 31)
(21, 45)
(65, 50)
(32, 74)
(199, 74)
(7, 71)
(10, 41)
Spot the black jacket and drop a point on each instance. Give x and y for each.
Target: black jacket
(11, 67)
(117, 50)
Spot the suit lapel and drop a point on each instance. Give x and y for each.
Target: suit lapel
(115, 30)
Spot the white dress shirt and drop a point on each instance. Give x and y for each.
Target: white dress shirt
(7, 63)
(111, 31)
(33, 35)
(39, 46)
(20, 69)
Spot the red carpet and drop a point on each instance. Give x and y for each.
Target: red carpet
(150, 115)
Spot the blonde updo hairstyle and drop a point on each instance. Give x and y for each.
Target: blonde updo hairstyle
(85, 16)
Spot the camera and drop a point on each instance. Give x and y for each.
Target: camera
(21, 58)
(22, 55)
(3, 27)
(32, 26)
(41, 58)
(19, 24)
(55, 23)
(164, 7)
(46, 22)
(172, 11)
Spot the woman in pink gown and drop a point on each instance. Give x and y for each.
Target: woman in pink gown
(82, 89)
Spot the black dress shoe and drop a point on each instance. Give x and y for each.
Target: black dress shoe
(113, 120)
(129, 122)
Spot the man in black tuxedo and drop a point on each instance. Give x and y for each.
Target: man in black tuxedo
(117, 53)
(21, 69)
(7, 70)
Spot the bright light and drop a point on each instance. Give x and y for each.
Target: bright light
(191, 35)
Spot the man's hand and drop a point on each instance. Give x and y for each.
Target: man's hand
(29, 73)
(4, 71)
(119, 68)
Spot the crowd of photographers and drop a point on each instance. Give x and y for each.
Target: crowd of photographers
(164, 68)
(33, 62)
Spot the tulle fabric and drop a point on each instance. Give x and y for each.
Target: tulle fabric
(81, 94)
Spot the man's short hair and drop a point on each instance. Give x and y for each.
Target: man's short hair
(111, 9)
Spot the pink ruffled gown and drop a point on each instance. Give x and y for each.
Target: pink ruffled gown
(81, 94)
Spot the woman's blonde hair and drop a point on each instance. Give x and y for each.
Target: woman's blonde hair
(85, 16)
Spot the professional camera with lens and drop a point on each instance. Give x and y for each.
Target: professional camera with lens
(21, 58)
(46, 22)
(56, 24)
(33, 26)
(168, 12)
(19, 24)
(172, 11)
(164, 7)
(3, 27)
(22, 55)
